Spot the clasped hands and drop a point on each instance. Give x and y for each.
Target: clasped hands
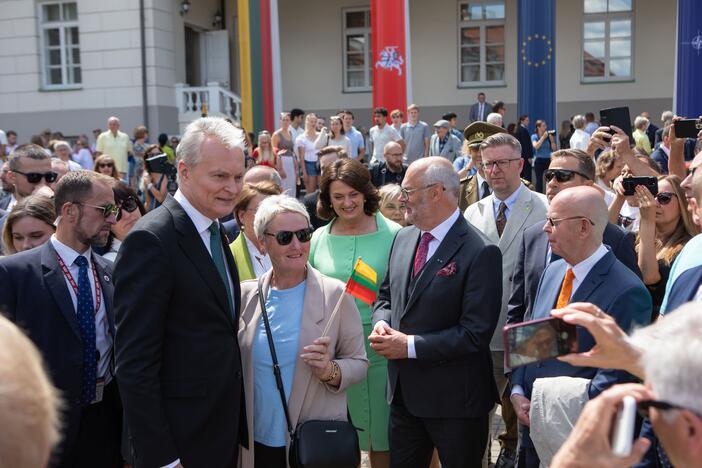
(388, 342)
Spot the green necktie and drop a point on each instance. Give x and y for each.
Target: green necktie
(218, 257)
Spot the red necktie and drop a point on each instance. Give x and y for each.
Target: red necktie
(420, 257)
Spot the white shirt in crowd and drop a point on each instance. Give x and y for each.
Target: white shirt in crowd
(579, 139)
(261, 262)
(308, 145)
(380, 138)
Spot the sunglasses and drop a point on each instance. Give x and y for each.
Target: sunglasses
(129, 205)
(562, 175)
(101, 165)
(664, 197)
(35, 177)
(286, 237)
(107, 210)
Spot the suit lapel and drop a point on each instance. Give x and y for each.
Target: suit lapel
(447, 249)
(593, 279)
(518, 216)
(56, 284)
(311, 328)
(108, 289)
(405, 252)
(549, 288)
(485, 220)
(193, 248)
(233, 273)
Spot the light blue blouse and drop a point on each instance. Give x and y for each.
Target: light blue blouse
(284, 309)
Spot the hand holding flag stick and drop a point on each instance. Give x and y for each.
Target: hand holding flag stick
(362, 284)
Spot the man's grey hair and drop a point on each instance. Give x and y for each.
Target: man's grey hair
(272, 207)
(60, 143)
(640, 122)
(502, 139)
(670, 356)
(579, 121)
(445, 175)
(113, 119)
(254, 174)
(29, 403)
(188, 149)
(667, 116)
(494, 118)
(28, 150)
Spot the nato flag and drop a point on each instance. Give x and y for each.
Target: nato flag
(688, 92)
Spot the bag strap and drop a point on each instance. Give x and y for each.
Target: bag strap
(274, 357)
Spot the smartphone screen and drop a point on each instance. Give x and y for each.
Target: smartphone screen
(619, 117)
(539, 340)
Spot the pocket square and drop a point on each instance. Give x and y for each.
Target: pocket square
(448, 270)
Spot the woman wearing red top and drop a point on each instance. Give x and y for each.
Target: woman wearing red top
(265, 154)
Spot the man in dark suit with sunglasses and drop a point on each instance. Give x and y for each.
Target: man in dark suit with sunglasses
(177, 306)
(568, 168)
(60, 294)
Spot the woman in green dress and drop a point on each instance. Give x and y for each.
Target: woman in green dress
(357, 229)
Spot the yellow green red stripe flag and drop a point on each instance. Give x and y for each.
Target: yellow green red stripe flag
(363, 282)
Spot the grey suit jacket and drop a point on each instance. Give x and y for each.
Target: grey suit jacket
(451, 307)
(474, 113)
(451, 150)
(529, 208)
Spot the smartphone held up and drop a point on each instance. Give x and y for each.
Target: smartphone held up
(538, 340)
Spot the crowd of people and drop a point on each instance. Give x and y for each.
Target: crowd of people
(159, 282)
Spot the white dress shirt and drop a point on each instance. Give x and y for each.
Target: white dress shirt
(580, 272)
(579, 140)
(439, 232)
(12, 203)
(103, 340)
(261, 262)
(481, 195)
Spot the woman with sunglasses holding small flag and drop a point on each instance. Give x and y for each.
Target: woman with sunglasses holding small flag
(308, 324)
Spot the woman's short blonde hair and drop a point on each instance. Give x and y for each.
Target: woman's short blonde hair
(389, 193)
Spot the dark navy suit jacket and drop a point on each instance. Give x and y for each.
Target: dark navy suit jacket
(532, 262)
(35, 296)
(612, 287)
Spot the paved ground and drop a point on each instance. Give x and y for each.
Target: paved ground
(497, 427)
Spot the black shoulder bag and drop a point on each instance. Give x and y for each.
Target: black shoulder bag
(314, 443)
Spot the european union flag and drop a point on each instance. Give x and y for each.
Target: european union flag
(537, 60)
(688, 92)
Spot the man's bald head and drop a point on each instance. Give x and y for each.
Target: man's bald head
(432, 185)
(393, 155)
(579, 216)
(262, 174)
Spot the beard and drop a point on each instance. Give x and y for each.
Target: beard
(98, 239)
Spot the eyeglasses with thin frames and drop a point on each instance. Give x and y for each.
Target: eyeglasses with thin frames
(556, 221)
(501, 163)
(405, 192)
(644, 405)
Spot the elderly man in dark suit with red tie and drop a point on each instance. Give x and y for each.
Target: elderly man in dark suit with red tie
(435, 315)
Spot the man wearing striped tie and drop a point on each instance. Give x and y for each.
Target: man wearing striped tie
(587, 272)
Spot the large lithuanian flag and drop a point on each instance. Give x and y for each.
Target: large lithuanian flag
(363, 283)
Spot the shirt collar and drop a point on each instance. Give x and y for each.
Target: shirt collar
(581, 270)
(480, 179)
(201, 222)
(511, 200)
(253, 250)
(665, 149)
(67, 254)
(440, 231)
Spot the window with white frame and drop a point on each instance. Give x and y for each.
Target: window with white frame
(481, 40)
(59, 46)
(358, 73)
(608, 46)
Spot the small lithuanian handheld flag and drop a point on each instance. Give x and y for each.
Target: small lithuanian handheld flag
(363, 283)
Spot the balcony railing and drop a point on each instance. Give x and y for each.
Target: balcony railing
(213, 100)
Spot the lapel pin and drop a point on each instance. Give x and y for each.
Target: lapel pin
(106, 278)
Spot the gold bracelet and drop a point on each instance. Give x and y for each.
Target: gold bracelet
(334, 372)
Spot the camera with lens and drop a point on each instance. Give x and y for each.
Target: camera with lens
(161, 165)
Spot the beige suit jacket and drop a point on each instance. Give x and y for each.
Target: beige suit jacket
(529, 208)
(309, 399)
